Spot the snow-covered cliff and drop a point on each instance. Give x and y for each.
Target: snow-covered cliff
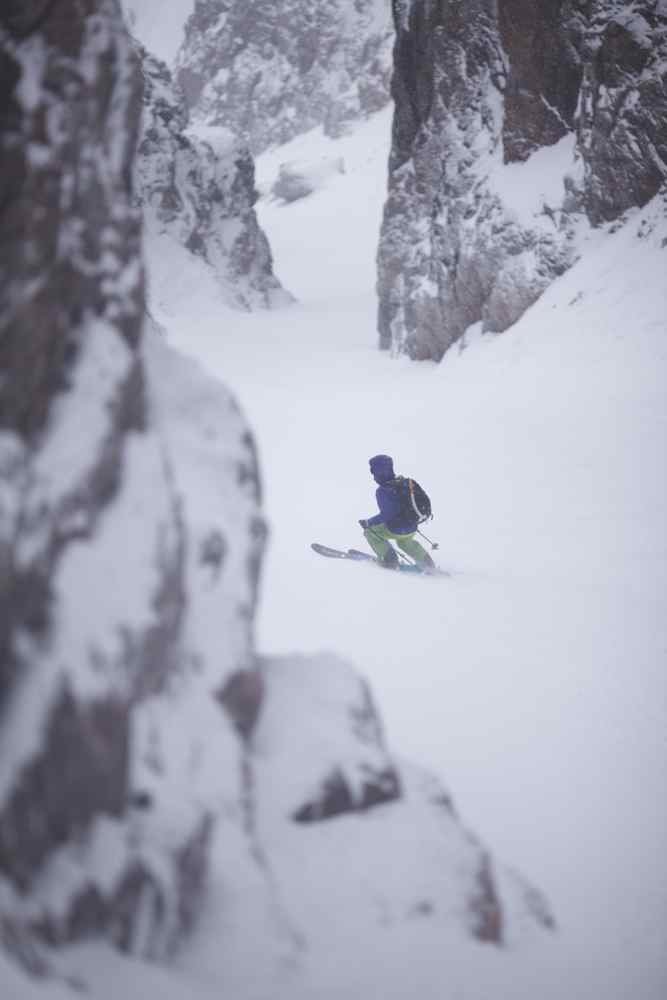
(200, 191)
(271, 71)
(114, 549)
(517, 124)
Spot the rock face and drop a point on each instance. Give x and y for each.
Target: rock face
(542, 43)
(514, 121)
(623, 106)
(201, 191)
(271, 71)
(106, 807)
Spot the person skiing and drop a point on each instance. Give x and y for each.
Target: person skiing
(397, 521)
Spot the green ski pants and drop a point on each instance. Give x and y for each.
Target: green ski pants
(379, 535)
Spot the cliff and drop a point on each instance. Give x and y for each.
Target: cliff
(517, 126)
(199, 190)
(269, 72)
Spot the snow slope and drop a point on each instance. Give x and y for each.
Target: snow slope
(533, 679)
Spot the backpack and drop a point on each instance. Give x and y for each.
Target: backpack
(415, 501)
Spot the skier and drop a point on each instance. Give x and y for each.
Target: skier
(398, 519)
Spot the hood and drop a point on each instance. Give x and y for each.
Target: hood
(382, 468)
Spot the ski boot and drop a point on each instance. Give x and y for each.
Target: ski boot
(389, 560)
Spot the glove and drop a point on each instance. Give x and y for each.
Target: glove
(363, 523)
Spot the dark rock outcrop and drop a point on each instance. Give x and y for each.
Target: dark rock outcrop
(242, 698)
(542, 42)
(271, 71)
(336, 798)
(81, 772)
(621, 130)
(572, 94)
(485, 907)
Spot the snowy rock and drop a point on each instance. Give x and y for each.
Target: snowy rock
(201, 190)
(271, 71)
(297, 179)
(42, 167)
(542, 43)
(392, 836)
(120, 464)
(512, 119)
(452, 252)
(345, 766)
(623, 107)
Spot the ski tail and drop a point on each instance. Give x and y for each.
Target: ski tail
(325, 550)
(354, 554)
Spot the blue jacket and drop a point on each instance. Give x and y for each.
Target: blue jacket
(389, 502)
(400, 520)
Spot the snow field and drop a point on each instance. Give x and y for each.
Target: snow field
(532, 681)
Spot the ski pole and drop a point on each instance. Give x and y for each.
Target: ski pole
(434, 545)
(397, 551)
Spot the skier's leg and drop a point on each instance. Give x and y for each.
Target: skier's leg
(376, 536)
(416, 551)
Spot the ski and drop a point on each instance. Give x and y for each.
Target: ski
(354, 555)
